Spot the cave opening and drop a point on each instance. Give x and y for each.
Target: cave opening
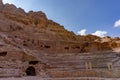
(33, 62)
(30, 71)
(3, 53)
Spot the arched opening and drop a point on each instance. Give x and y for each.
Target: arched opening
(30, 71)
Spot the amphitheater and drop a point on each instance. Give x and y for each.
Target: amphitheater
(32, 47)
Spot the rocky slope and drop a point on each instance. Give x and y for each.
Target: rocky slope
(35, 31)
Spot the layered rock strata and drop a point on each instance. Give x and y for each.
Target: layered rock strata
(33, 45)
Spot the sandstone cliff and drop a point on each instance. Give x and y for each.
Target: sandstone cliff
(35, 31)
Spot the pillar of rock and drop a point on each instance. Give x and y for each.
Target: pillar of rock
(87, 66)
(109, 66)
(90, 65)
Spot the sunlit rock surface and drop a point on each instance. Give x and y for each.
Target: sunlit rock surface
(33, 45)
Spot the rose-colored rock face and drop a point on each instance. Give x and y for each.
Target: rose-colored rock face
(9, 8)
(32, 40)
(1, 5)
(41, 32)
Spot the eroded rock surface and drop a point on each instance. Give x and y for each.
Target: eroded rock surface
(33, 45)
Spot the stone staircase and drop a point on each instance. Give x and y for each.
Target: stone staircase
(69, 65)
(72, 64)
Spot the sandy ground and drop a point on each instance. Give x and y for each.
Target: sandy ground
(77, 78)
